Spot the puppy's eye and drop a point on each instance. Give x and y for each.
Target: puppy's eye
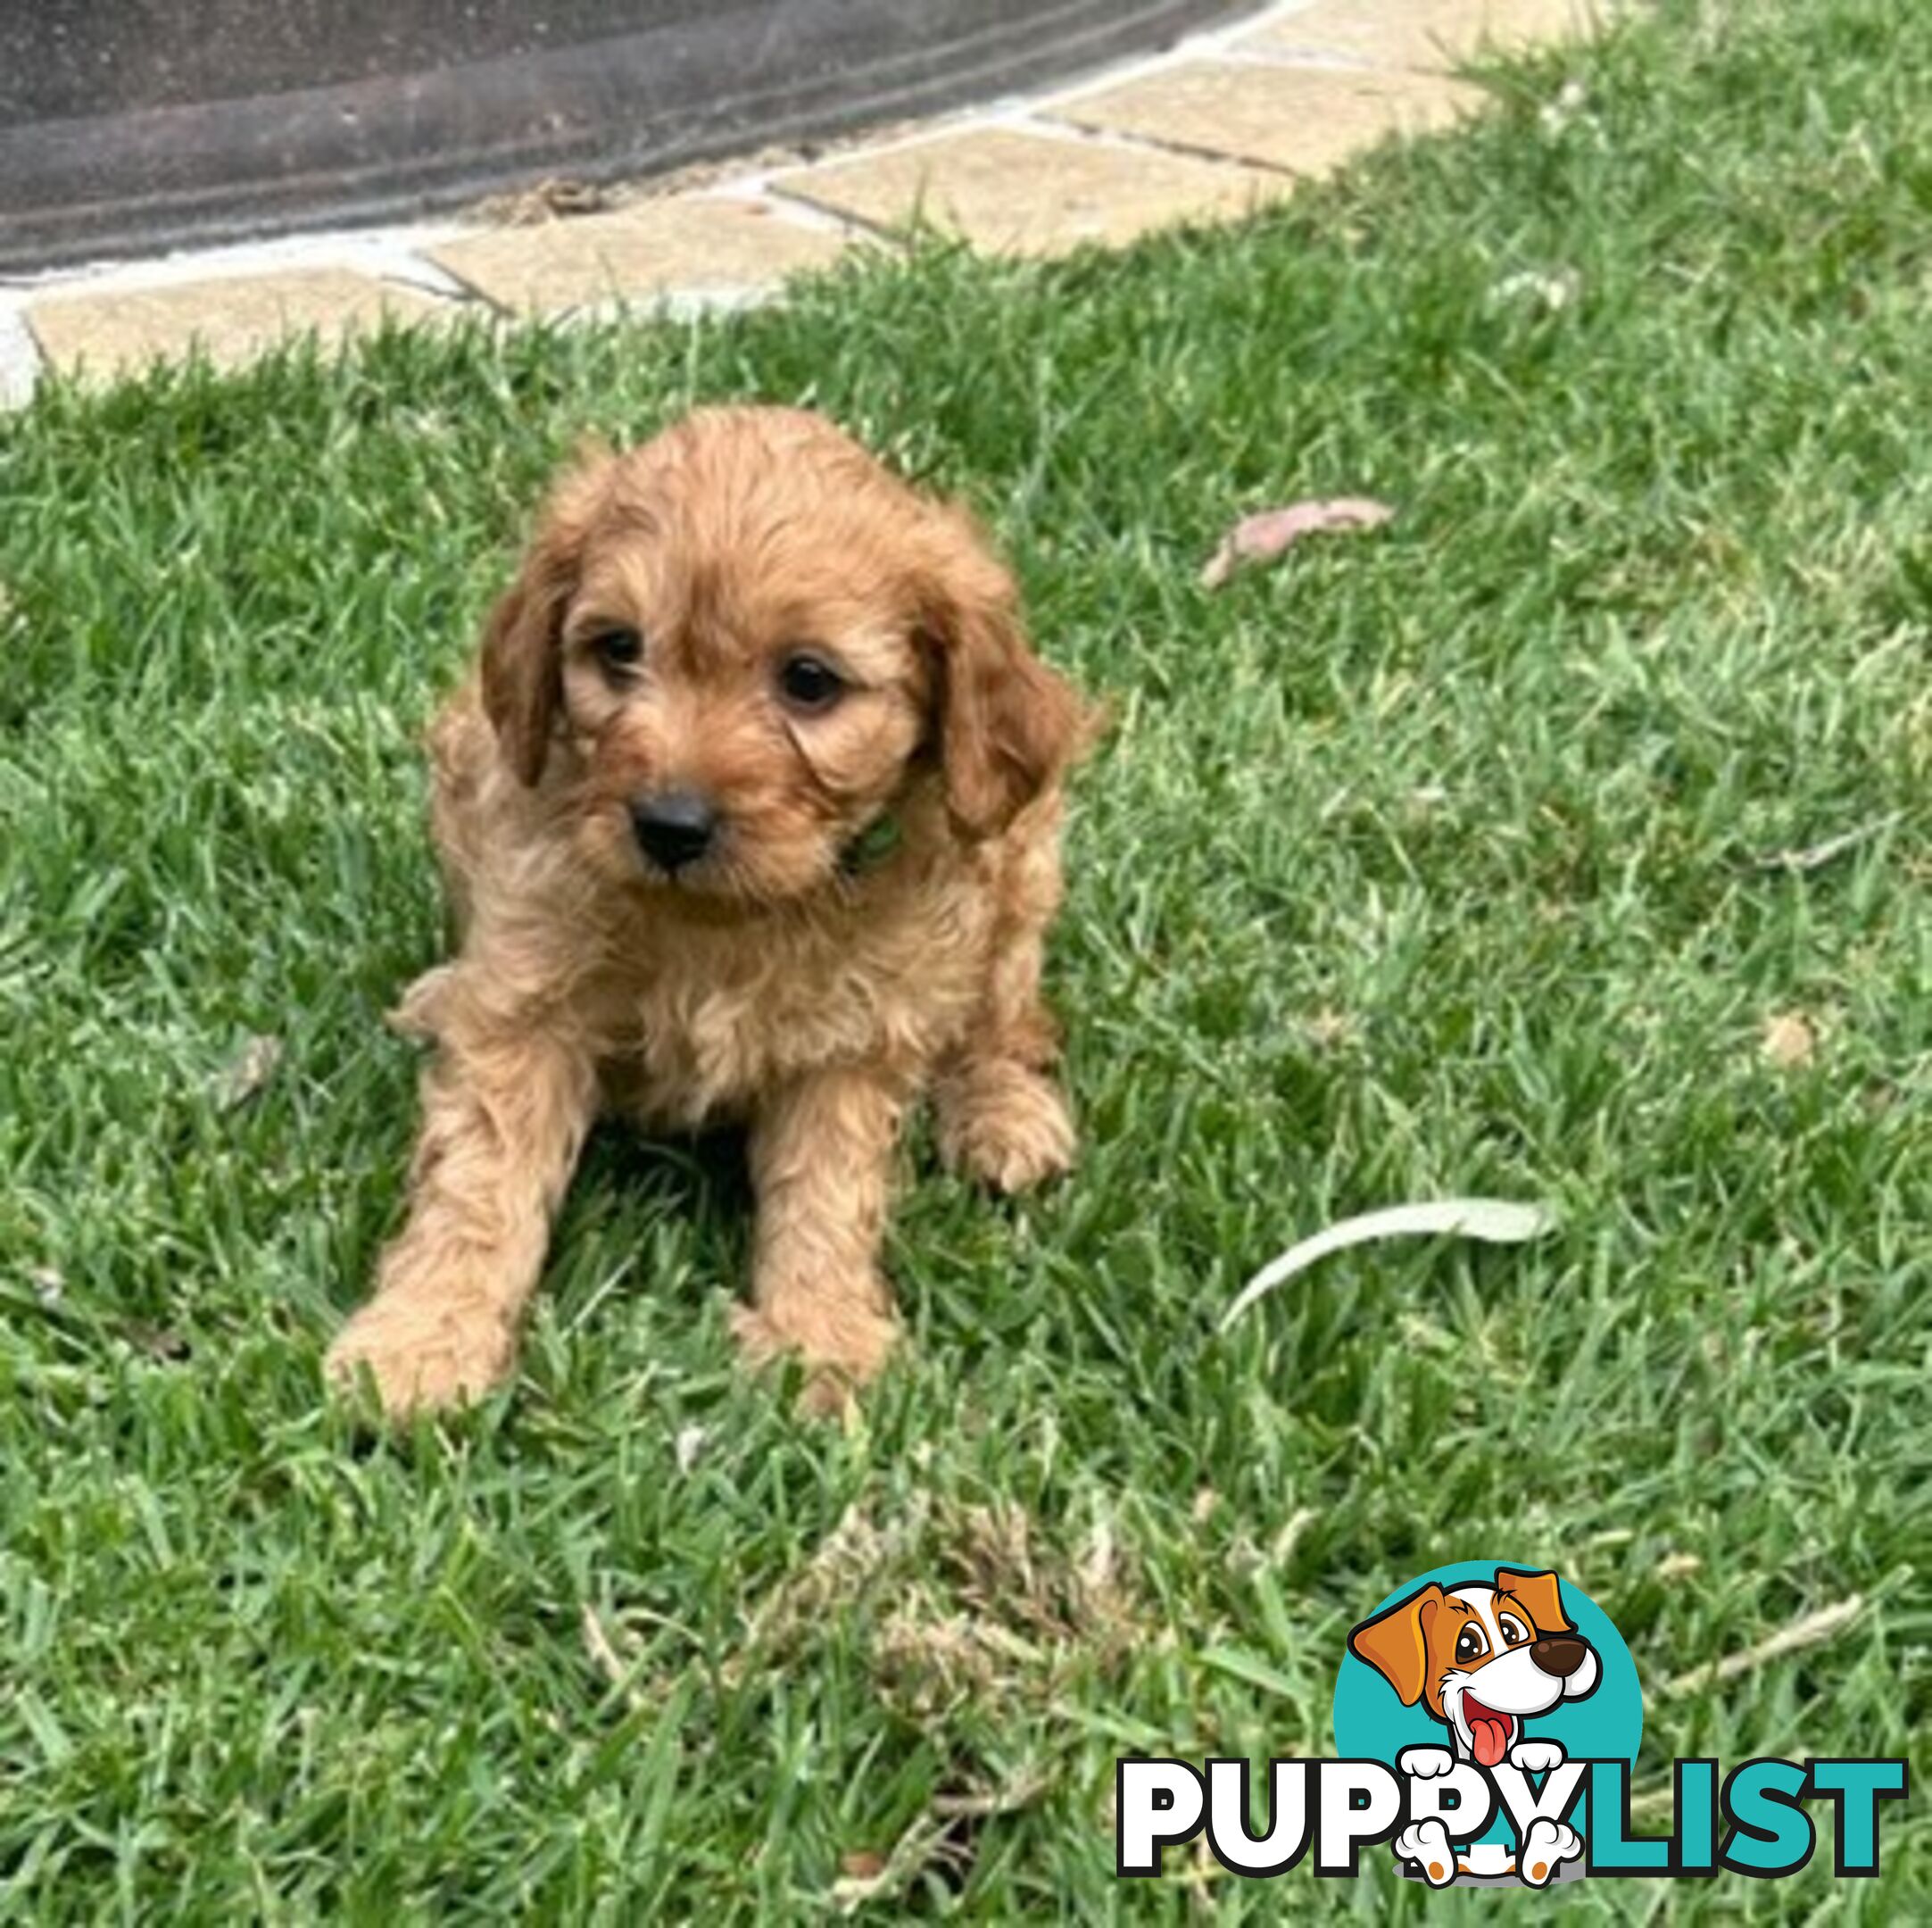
(1471, 1645)
(809, 683)
(618, 650)
(1514, 1633)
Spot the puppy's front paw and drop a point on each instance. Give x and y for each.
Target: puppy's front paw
(1546, 1848)
(1424, 1763)
(1005, 1125)
(843, 1341)
(1536, 1757)
(1427, 1844)
(424, 1354)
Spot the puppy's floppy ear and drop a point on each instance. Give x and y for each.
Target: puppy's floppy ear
(1540, 1593)
(1006, 724)
(1396, 1643)
(522, 671)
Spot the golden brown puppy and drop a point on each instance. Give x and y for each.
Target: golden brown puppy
(751, 812)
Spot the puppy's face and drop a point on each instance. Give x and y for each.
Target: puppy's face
(735, 649)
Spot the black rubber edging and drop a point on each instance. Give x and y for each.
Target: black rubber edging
(221, 130)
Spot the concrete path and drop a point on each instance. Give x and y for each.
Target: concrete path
(1220, 124)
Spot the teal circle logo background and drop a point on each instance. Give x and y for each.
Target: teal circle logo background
(1371, 1723)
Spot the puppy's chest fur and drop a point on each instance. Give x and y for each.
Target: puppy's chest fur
(697, 1022)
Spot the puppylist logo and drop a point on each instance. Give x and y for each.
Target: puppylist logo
(1487, 1720)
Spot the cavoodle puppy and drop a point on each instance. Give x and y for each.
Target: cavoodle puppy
(750, 812)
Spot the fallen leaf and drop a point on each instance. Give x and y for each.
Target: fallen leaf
(1815, 856)
(248, 1072)
(865, 1865)
(1264, 536)
(1788, 1039)
(557, 198)
(1494, 1221)
(1813, 1630)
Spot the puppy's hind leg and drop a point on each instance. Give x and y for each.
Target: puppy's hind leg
(1002, 1116)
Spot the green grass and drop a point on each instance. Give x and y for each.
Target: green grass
(1431, 861)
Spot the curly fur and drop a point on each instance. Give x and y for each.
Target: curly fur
(774, 981)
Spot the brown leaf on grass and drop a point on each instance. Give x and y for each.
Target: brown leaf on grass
(1789, 1039)
(557, 198)
(1264, 536)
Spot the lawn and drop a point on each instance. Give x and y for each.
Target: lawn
(1565, 841)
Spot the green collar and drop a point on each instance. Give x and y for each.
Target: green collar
(872, 846)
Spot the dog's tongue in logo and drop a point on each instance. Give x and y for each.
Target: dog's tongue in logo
(1489, 1732)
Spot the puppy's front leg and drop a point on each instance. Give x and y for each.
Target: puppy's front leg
(822, 1165)
(503, 1125)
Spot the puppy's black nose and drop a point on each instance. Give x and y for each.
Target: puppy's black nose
(1559, 1654)
(674, 829)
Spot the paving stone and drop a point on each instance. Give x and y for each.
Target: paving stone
(1304, 118)
(1008, 191)
(1430, 35)
(638, 254)
(233, 318)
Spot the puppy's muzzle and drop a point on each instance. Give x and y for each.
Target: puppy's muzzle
(1558, 1654)
(675, 830)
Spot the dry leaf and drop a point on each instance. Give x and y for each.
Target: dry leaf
(1812, 1631)
(555, 199)
(1495, 1221)
(865, 1865)
(1788, 1041)
(1264, 536)
(248, 1071)
(1815, 856)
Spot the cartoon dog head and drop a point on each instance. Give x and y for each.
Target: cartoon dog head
(1481, 1659)
(743, 647)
